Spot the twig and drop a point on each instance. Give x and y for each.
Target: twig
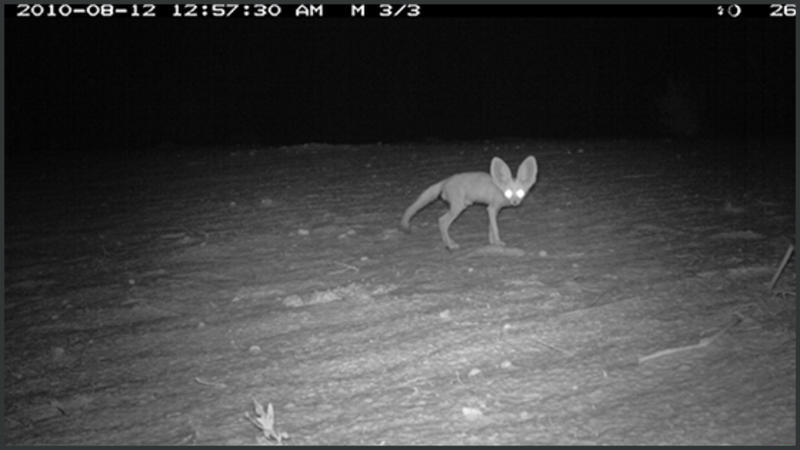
(552, 347)
(187, 439)
(703, 342)
(346, 268)
(784, 261)
(209, 383)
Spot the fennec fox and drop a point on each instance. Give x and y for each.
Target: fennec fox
(497, 191)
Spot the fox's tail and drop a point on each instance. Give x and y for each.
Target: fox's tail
(427, 196)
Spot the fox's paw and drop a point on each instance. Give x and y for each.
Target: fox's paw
(452, 246)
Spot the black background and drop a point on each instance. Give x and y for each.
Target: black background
(106, 85)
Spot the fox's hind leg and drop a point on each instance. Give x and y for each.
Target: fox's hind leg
(444, 223)
(494, 232)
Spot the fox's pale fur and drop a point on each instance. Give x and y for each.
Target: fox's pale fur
(496, 190)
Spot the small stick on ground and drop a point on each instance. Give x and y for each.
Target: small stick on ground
(199, 380)
(346, 268)
(784, 261)
(703, 343)
(538, 341)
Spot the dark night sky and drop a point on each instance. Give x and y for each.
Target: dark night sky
(119, 83)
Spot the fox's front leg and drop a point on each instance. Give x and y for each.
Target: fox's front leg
(494, 232)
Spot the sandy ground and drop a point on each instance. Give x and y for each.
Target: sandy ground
(151, 300)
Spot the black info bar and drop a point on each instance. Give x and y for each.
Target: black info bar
(261, 11)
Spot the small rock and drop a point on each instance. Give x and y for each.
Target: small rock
(57, 353)
(472, 413)
(293, 301)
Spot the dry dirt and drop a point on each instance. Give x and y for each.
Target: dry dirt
(150, 300)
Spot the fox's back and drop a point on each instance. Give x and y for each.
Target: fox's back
(472, 187)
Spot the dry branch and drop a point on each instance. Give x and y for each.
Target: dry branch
(782, 266)
(703, 343)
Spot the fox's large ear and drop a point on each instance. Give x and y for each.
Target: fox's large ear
(526, 174)
(501, 174)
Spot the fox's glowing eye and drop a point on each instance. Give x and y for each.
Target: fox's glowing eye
(508, 193)
(520, 193)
